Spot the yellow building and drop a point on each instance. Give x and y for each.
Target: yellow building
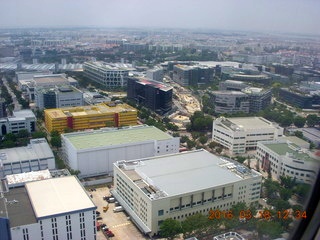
(89, 117)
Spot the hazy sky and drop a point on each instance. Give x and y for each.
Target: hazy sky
(298, 16)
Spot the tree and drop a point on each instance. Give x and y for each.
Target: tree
(38, 134)
(191, 144)
(8, 144)
(285, 193)
(203, 139)
(184, 139)
(56, 141)
(299, 122)
(298, 134)
(272, 229)
(10, 137)
(54, 133)
(312, 120)
(23, 133)
(170, 228)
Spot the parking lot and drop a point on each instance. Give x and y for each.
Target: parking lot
(118, 223)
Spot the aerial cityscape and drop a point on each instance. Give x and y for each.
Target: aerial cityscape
(143, 119)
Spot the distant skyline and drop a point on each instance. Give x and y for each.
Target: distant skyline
(289, 16)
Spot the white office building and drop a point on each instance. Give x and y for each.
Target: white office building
(242, 134)
(36, 156)
(58, 97)
(230, 102)
(180, 185)
(284, 158)
(111, 75)
(94, 152)
(20, 120)
(55, 208)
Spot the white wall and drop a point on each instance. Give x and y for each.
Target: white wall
(45, 226)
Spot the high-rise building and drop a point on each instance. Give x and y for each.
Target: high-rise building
(259, 98)
(180, 185)
(150, 94)
(110, 75)
(155, 74)
(90, 117)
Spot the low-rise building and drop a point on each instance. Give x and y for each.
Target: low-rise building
(20, 120)
(94, 152)
(100, 115)
(284, 158)
(242, 134)
(58, 97)
(48, 209)
(36, 156)
(180, 185)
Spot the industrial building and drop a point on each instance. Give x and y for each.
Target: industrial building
(192, 75)
(94, 152)
(180, 185)
(91, 98)
(36, 156)
(284, 158)
(58, 97)
(54, 208)
(90, 117)
(110, 75)
(242, 134)
(20, 120)
(151, 94)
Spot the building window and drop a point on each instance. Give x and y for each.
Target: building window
(160, 212)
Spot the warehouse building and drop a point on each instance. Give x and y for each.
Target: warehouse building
(242, 134)
(36, 156)
(284, 158)
(47, 209)
(90, 117)
(94, 152)
(180, 185)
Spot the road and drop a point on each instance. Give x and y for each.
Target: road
(17, 106)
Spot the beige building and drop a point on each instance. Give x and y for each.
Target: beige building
(243, 133)
(180, 185)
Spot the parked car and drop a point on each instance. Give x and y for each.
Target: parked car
(118, 209)
(111, 200)
(109, 234)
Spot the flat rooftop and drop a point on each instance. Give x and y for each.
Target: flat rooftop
(114, 137)
(37, 149)
(248, 123)
(89, 110)
(155, 84)
(26, 113)
(186, 172)
(58, 195)
(50, 79)
(20, 211)
(281, 148)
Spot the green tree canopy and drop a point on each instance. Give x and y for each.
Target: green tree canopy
(299, 122)
(170, 228)
(269, 228)
(312, 120)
